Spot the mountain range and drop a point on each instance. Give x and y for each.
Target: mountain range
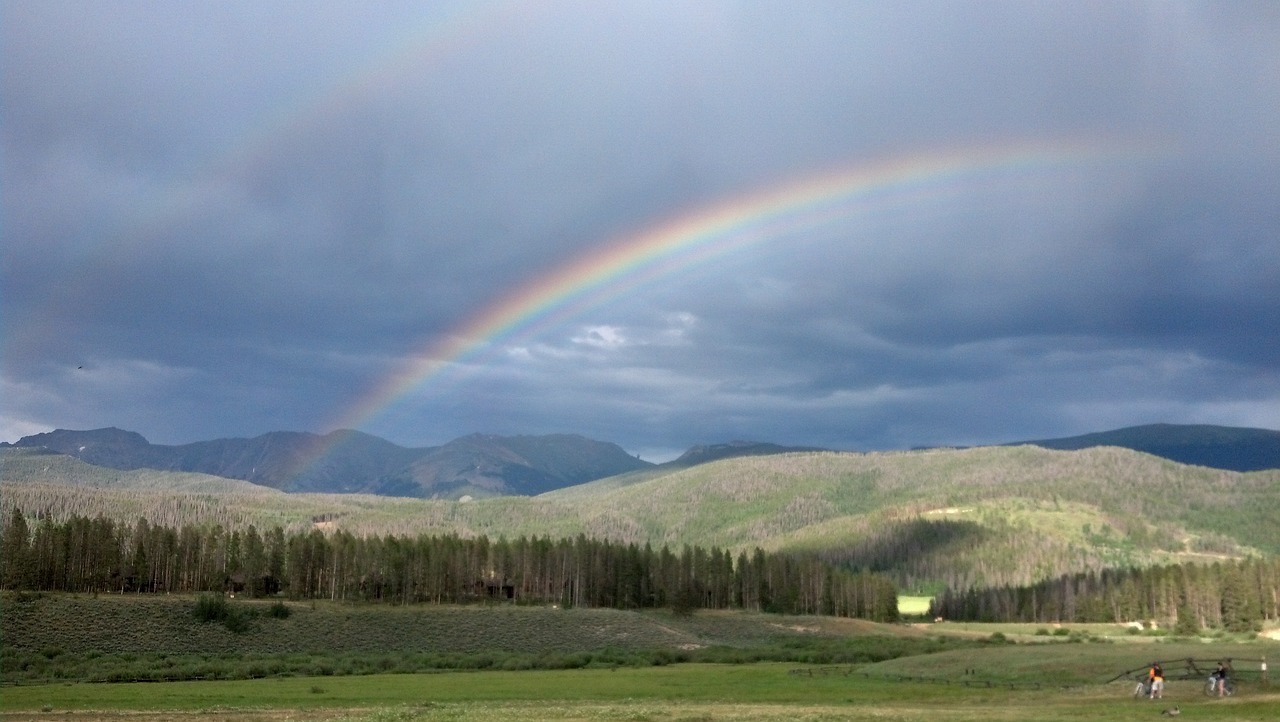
(485, 465)
(348, 461)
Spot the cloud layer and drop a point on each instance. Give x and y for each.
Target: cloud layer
(227, 218)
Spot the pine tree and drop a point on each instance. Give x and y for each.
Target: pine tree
(1239, 611)
(16, 553)
(1187, 625)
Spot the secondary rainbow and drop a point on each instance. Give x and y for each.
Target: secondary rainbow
(441, 31)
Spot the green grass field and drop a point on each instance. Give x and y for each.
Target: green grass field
(371, 663)
(681, 692)
(913, 606)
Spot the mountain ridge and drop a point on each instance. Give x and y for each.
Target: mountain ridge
(1234, 448)
(348, 461)
(483, 465)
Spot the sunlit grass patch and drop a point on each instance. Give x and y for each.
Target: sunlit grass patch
(909, 606)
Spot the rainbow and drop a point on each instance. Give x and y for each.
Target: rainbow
(679, 243)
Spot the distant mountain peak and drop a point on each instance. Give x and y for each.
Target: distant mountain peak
(1220, 447)
(61, 437)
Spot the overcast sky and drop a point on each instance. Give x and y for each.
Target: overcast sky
(227, 218)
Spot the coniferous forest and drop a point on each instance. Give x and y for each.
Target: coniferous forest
(88, 555)
(1235, 595)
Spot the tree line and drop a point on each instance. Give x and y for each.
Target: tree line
(83, 554)
(1233, 595)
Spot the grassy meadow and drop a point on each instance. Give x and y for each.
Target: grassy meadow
(366, 663)
(913, 606)
(122, 638)
(682, 692)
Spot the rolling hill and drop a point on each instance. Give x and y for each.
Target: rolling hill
(988, 515)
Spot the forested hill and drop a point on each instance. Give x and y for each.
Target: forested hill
(959, 517)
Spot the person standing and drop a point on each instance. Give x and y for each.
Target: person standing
(1156, 678)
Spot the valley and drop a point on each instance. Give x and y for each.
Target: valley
(930, 520)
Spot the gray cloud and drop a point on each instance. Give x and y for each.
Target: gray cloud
(228, 218)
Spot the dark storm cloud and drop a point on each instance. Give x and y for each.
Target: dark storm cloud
(239, 217)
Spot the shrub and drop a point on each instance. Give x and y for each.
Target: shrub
(211, 608)
(216, 608)
(237, 621)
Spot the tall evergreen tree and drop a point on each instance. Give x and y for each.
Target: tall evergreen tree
(15, 553)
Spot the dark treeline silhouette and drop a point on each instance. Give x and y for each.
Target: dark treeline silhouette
(99, 555)
(1233, 595)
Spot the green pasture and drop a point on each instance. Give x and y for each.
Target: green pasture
(370, 663)
(909, 606)
(681, 692)
(1075, 665)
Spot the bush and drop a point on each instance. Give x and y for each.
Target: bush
(278, 610)
(211, 608)
(216, 608)
(237, 622)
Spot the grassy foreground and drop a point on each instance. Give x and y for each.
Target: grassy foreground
(331, 658)
(682, 692)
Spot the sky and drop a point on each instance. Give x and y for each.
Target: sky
(854, 225)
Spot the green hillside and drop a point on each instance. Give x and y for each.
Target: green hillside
(796, 497)
(983, 515)
(44, 467)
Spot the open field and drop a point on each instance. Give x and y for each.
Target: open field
(909, 606)
(682, 692)
(125, 638)
(949, 672)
